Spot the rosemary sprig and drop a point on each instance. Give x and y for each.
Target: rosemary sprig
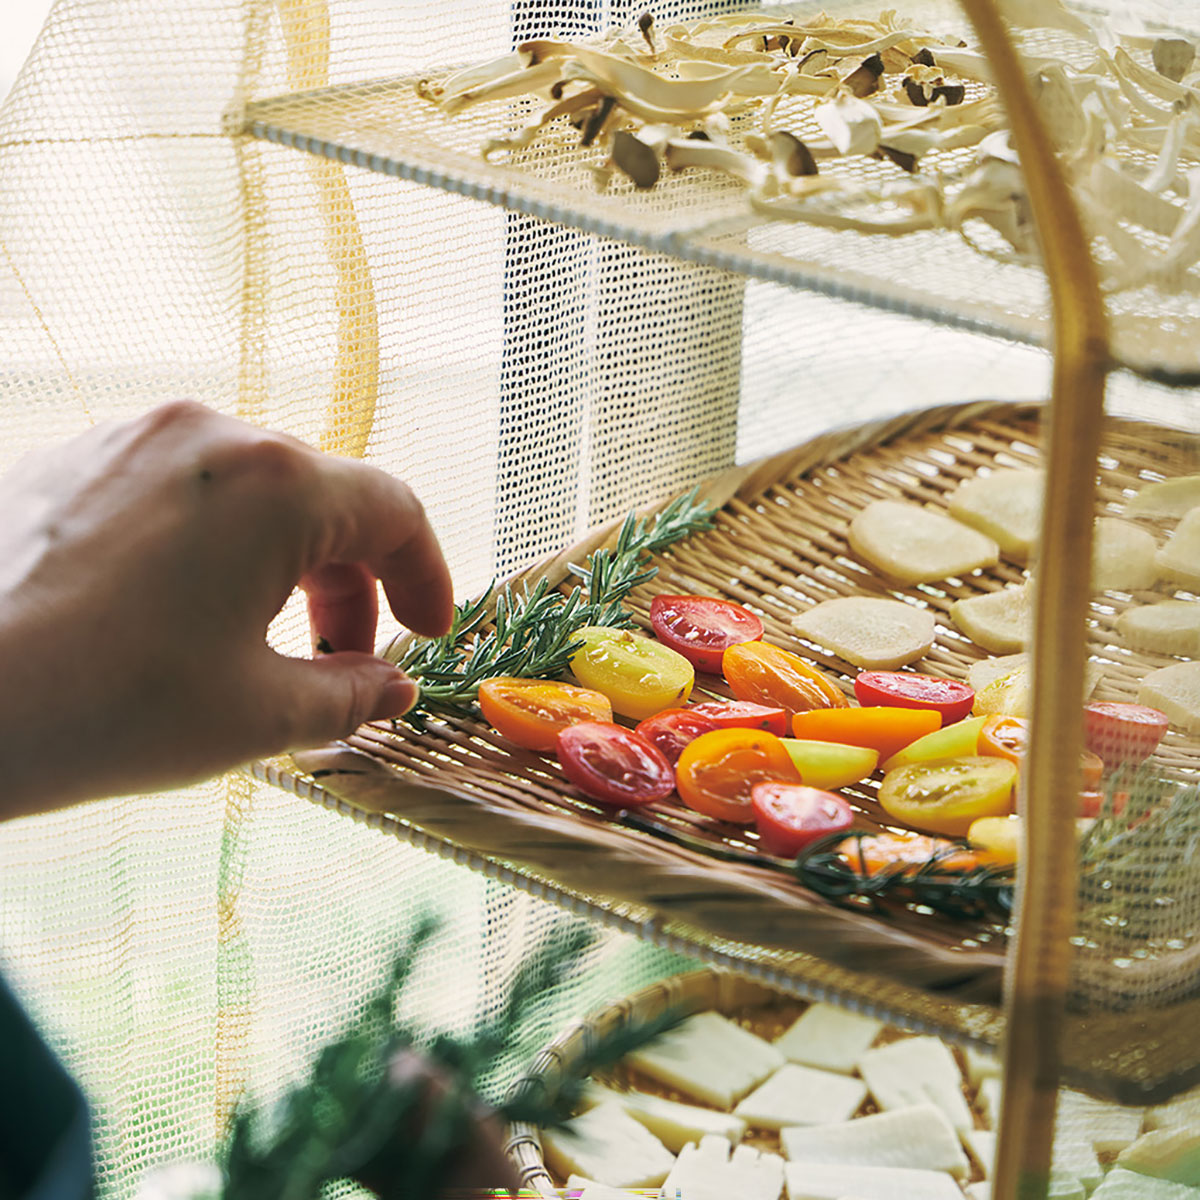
(349, 1119)
(981, 893)
(531, 634)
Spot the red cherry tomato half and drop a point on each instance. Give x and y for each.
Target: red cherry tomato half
(790, 816)
(743, 714)
(672, 729)
(613, 764)
(531, 712)
(1123, 733)
(701, 627)
(905, 689)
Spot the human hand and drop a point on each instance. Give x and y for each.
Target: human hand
(140, 565)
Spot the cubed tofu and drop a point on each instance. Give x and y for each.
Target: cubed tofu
(797, 1095)
(829, 1038)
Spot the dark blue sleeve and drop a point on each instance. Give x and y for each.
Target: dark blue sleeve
(45, 1136)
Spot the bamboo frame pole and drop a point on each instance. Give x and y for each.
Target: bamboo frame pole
(1039, 963)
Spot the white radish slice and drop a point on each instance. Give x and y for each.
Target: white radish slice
(918, 545)
(1005, 505)
(998, 621)
(869, 631)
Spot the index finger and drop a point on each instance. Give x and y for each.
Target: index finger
(368, 516)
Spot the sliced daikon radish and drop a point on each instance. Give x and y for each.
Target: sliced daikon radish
(1005, 505)
(709, 1172)
(1009, 694)
(989, 1097)
(1166, 498)
(981, 1144)
(609, 1146)
(820, 1181)
(1179, 559)
(1172, 1154)
(869, 631)
(828, 1037)
(674, 1124)
(797, 1095)
(917, 1070)
(1123, 557)
(1180, 1112)
(1108, 1127)
(998, 621)
(589, 1189)
(1169, 627)
(918, 545)
(708, 1057)
(1123, 1184)
(1059, 1187)
(981, 1065)
(1174, 690)
(918, 1137)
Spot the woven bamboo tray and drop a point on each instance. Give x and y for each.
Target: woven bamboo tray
(686, 881)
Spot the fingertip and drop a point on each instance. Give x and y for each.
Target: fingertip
(397, 696)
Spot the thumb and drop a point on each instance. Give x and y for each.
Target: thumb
(331, 696)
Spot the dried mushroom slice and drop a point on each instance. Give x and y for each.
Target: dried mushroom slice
(869, 631)
(918, 545)
(998, 621)
(1006, 505)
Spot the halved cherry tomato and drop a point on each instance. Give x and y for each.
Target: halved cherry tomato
(945, 797)
(790, 816)
(1091, 802)
(532, 712)
(831, 764)
(886, 730)
(895, 851)
(613, 764)
(701, 627)
(673, 728)
(951, 741)
(743, 714)
(1008, 737)
(766, 674)
(716, 772)
(639, 675)
(906, 689)
(1123, 733)
(998, 839)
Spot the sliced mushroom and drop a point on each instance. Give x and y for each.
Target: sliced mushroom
(681, 153)
(638, 160)
(851, 124)
(790, 155)
(864, 79)
(517, 83)
(1173, 57)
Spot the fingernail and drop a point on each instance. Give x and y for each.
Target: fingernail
(395, 698)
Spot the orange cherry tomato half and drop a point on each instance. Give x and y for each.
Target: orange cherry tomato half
(613, 764)
(673, 728)
(1007, 737)
(887, 730)
(743, 714)
(701, 627)
(717, 772)
(765, 674)
(888, 852)
(532, 712)
(1123, 733)
(948, 698)
(790, 816)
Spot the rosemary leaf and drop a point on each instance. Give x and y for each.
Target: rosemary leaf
(531, 629)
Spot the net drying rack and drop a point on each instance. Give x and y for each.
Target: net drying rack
(453, 790)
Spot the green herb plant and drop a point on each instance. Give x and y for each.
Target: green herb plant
(531, 633)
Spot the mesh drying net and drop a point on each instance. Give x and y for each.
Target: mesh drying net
(233, 201)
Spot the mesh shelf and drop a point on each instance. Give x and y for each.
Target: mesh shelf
(703, 217)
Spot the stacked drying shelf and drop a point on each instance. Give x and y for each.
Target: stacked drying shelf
(387, 126)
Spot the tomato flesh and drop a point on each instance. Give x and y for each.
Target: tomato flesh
(613, 764)
(743, 714)
(673, 728)
(716, 773)
(947, 796)
(1008, 737)
(790, 816)
(1123, 733)
(638, 675)
(702, 627)
(765, 674)
(895, 852)
(532, 712)
(950, 699)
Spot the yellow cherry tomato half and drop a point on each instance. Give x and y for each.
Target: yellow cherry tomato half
(997, 839)
(717, 772)
(765, 674)
(947, 796)
(951, 741)
(829, 765)
(639, 675)
(532, 712)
